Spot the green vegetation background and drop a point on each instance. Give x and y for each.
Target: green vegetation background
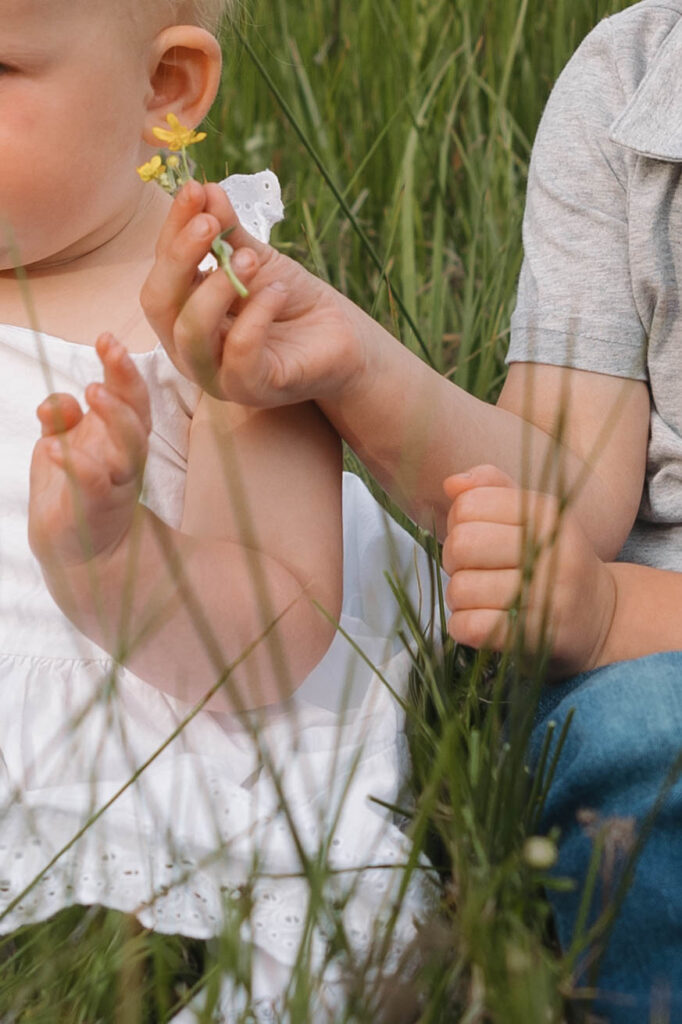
(401, 131)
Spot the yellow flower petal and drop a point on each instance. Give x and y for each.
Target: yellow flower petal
(154, 168)
(177, 136)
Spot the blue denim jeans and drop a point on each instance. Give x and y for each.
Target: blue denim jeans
(625, 735)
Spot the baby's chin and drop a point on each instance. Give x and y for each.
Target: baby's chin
(9, 248)
(13, 256)
(14, 253)
(9, 260)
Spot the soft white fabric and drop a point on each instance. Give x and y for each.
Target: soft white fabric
(177, 842)
(257, 201)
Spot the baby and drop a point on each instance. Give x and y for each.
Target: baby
(86, 262)
(222, 587)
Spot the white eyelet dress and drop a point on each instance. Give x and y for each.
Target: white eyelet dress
(204, 815)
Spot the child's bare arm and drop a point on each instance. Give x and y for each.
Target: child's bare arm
(178, 609)
(410, 426)
(270, 479)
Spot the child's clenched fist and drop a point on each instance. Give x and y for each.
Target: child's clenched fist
(509, 550)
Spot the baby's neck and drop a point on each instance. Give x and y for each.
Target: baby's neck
(79, 298)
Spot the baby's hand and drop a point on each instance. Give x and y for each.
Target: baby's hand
(294, 338)
(512, 549)
(87, 467)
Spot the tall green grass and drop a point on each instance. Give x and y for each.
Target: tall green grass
(401, 130)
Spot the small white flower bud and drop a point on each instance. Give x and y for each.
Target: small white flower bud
(540, 853)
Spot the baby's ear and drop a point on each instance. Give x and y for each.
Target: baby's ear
(184, 77)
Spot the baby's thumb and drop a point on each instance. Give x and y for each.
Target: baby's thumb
(479, 476)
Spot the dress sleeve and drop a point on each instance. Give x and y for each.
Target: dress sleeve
(575, 304)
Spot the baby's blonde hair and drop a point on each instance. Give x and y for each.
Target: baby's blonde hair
(209, 14)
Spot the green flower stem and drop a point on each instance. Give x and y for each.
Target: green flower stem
(222, 251)
(185, 164)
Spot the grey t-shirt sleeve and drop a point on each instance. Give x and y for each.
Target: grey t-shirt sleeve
(575, 305)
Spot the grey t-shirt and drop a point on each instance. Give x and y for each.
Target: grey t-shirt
(600, 283)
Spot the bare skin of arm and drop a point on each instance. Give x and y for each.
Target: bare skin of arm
(553, 430)
(298, 339)
(180, 607)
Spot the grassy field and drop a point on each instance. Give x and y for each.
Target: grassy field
(401, 130)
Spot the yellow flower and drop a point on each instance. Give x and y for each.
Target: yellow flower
(151, 170)
(177, 136)
(173, 161)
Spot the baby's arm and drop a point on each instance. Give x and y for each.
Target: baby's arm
(296, 338)
(178, 609)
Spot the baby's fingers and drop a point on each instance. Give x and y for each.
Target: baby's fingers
(174, 274)
(198, 215)
(58, 413)
(126, 435)
(123, 380)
